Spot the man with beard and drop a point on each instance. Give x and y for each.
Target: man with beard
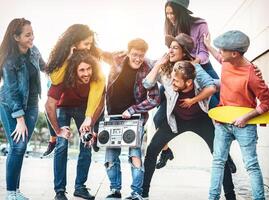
(66, 101)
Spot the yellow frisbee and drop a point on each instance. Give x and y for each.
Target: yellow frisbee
(228, 114)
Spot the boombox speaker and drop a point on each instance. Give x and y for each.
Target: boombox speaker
(115, 131)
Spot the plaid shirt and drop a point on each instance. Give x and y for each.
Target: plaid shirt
(145, 99)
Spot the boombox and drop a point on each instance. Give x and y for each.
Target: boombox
(115, 131)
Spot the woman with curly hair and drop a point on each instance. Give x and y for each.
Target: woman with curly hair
(77, 36)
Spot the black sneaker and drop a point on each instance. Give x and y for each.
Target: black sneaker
(60, 196)
(83, 193)
(165, 155)
(115, 194)
(50, 148)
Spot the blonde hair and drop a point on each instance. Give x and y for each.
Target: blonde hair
(138, 44)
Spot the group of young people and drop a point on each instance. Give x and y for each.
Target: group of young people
(77, 89)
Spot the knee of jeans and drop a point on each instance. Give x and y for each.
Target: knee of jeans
(111, 164)
(18, 149)
(136, 162)
(252, 165)
(217, 161)
(153, 150)
(61, 144)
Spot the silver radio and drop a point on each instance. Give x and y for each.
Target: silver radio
(115, 131)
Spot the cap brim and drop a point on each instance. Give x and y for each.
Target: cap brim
(189, 12)
(169, 39)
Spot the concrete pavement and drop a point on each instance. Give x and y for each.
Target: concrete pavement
(170, 183)
(185, 178)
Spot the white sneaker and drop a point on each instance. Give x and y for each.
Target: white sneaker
(137, 197)
(11, 195)
(20, 196)
(134, 196)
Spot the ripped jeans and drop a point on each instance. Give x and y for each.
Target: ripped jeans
(113, 168)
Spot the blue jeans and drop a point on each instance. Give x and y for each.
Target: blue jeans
(64, 116)
(16, 150)
(247, 139)
(113, 168)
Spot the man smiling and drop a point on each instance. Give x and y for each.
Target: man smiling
(127, 96)
(69, 100)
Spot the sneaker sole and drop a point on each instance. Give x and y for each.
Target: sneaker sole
(75, 195)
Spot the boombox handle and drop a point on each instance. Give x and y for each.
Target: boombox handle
(137, 116)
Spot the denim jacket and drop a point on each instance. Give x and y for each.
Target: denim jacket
(201, 81)
(15, 89)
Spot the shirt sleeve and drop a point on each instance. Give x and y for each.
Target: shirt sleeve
(146, 83)
(57, 76)
(261, 91)
(152, 100)
(203, 78)
(55, 91)
(201, 50)
(12, 93)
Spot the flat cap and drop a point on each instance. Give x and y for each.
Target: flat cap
(233, 40)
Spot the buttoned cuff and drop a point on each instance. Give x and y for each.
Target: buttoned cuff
(131, 110)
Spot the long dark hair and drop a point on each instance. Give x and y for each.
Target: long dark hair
(78, 57)
(9, 46)
(72, 36)
(183, 21)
